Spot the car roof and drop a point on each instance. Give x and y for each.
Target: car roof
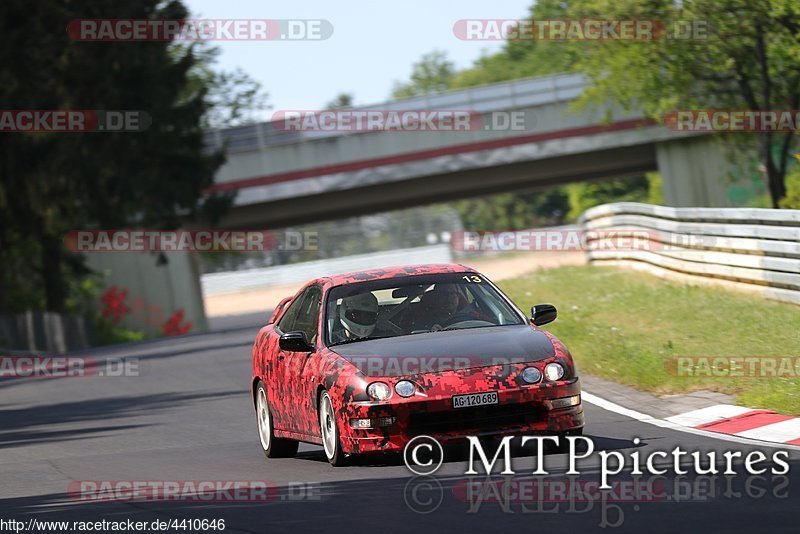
(397, 271)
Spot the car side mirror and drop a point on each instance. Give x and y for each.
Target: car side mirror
(296, 341)
(543, 314)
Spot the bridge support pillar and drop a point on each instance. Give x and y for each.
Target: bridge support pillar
(695, 172)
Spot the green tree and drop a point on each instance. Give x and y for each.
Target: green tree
(341, 101)
(51, 183)
(655, 188)
(430, 74)
(585, 195)
(233, 98)
(749, 58)
(792, 198)
(524, 58)
(517, 59)
(514, 211)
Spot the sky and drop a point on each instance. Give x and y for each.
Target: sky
(374, 44)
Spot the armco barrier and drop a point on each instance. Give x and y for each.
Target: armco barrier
(37, 331)
(744, 248)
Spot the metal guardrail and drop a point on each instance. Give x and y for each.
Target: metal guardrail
(37, 331)
(745, 248)
(482, 99)
(297, 273)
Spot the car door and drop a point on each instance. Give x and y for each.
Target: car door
(280, 388)
(297, 365)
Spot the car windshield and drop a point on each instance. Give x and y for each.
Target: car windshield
(414, 305)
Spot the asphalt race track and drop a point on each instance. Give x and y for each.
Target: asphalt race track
(188, 417)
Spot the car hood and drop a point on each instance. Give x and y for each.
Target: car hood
(433, 352)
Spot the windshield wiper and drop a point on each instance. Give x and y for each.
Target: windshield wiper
(353, 340)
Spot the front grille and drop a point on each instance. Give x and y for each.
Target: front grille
(478, 418)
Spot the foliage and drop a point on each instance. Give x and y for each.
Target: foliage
(747, 57)
(524, 58)
(51, 183)
(233, 97)
(520, 59)
(792, 198)
(106, 332)
(404, 228)
(430, 74)
(341, 101)
(585, 195)
(514, 211)
(655, 188)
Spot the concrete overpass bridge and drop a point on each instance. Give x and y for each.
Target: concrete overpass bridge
(287, 177)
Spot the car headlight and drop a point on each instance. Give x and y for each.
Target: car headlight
(379, 391)
(531, 375)
(554, 371)
(404, 388)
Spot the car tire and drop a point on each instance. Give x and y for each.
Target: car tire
(273, 447)
(331, 444)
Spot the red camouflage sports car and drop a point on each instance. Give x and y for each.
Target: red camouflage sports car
(363, 362)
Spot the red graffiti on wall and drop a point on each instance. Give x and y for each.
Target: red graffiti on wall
(114, 307)
(173, 326)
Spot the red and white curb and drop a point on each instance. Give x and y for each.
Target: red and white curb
(762, 425)
(688, 422)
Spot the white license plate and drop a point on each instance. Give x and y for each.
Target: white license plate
(475, 399)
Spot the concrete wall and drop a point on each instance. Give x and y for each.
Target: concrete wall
(147, 295)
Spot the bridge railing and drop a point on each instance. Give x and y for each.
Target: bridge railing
(482, 99)
(746, 248)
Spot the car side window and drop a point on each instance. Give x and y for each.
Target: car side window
(308, 316)
(286, 324)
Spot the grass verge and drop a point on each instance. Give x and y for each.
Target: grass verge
(626, 326)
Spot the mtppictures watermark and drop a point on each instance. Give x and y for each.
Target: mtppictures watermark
(424, 455)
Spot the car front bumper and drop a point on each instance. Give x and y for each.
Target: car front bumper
(520, 411)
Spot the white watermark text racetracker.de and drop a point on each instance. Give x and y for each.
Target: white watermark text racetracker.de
(424, 455)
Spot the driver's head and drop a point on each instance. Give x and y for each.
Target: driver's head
(442, 299)
(359, 314)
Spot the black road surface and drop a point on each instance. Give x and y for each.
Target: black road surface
(188, 417)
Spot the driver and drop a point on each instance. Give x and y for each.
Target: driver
(358, 314)
(438, 306)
